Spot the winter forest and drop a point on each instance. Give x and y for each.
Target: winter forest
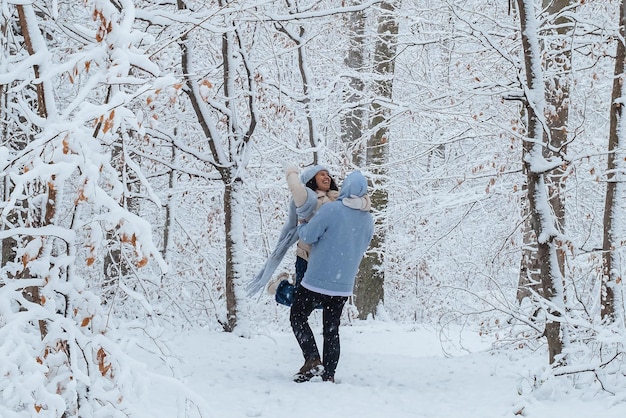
(142, 151)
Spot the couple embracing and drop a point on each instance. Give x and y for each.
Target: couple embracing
(333, 230)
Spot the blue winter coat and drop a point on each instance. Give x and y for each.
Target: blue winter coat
(339, 237)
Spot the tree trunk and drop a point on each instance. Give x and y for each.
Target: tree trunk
(43, 215)
(558, 64)
(558, 98)
(530, 269)
(170, 210)
(352, 122)
(314, 139)
(115, 265)
(232, 226)
(370, 281)
(614, 210)
(228, 147)
(542, 218)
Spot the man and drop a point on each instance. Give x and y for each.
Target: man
(339, 234)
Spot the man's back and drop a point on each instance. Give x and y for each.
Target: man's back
(339, 236)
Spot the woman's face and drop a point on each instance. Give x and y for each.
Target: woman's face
(322, 179)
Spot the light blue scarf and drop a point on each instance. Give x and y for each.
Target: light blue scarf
(288, 235)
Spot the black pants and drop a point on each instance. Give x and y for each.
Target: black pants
(301, 266)
(304, 303)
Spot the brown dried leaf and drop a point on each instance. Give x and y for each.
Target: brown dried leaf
(101, 358)
(142, 262)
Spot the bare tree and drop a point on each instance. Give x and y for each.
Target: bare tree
(354, 119)
(29, 215)
(614, 210)
(299, 37)
(370, 281)
(557, 44)
(60, 199)
(542, 218)
(227, 127)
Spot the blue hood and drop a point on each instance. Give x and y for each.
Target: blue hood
(354, 185)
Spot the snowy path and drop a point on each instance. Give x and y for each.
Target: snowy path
(385, 371)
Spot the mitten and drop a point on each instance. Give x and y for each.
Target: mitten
(359, 203)
(297, 189)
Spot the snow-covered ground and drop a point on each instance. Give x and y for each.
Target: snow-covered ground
(386, 370)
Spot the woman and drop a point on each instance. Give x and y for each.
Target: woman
(313, 188)
(318, 180)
